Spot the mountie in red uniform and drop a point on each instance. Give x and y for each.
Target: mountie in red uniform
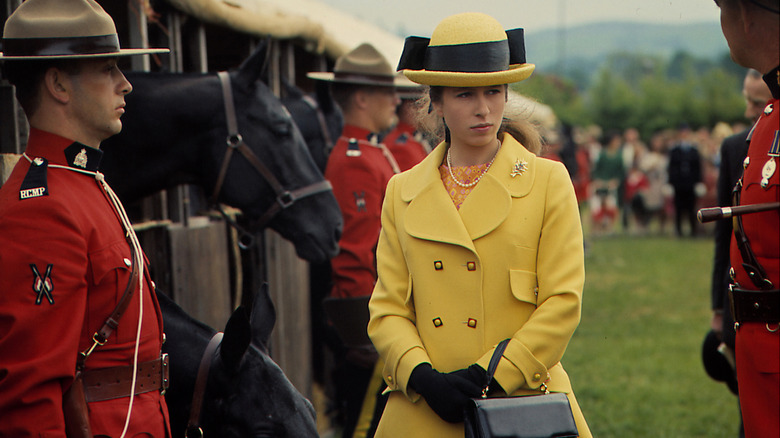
(64, 265)
(755, 256)
(407, 145)
(359, 168)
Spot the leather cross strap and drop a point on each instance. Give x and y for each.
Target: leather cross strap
(200, 387)
(110, 383)
(750, 263)
(112, 322)
(323, 123)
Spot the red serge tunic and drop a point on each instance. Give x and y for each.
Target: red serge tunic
(757, 346)
(404, 145)
(64, 264)
(359, 170)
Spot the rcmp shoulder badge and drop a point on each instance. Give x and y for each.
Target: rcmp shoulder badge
(34, 183)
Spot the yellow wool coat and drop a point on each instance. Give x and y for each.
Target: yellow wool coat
(453, 283)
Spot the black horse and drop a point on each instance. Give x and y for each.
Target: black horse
(175, 132)
(318, 117)
(247, 394)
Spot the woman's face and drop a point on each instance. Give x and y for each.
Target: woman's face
(473, 114)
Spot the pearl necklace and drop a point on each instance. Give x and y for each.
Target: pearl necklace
(473, 183)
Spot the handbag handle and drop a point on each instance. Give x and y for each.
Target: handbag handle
(497, 353)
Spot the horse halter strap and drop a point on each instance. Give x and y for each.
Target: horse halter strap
(284, 197)
(193, 424)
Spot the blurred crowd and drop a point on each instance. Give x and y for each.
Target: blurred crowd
(633, 185)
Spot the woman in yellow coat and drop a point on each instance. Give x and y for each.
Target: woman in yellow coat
(480, 242)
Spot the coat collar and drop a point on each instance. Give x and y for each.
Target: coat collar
(432, 215)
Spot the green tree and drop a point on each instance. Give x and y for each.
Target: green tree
(559, 93)
(611, 102)
(646, 92)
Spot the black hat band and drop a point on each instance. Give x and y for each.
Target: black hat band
(362, 77)
(492, 56)
(90, 45)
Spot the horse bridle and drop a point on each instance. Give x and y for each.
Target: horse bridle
(193, 424)
(284, 198)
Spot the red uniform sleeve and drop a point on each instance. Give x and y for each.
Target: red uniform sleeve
(43, 285)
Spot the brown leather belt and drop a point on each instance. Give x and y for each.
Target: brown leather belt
(755, 305)
(111, 383)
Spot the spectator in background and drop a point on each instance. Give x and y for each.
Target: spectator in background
(684, 173)
(654, 164)
(606, 185)
(732, 156)
(568, 150)
(635, 193)
(581, 179)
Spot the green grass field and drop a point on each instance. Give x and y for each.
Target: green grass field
(635, 360)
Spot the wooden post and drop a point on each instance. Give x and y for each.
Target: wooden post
(200, 271)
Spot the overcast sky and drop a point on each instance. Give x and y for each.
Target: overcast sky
(419, 17)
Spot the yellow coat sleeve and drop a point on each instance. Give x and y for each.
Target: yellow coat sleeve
(541, 342)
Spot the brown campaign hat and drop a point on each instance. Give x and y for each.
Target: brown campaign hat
(364, 65)
(61, 29)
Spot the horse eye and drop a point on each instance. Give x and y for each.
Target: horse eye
(282, 127)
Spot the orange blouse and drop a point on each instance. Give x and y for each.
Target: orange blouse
(464, 174)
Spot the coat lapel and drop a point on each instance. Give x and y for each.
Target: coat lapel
(431, 214)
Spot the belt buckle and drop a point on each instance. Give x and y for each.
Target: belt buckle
(164, 369)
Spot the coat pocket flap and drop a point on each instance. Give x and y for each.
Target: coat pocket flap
(524, 286)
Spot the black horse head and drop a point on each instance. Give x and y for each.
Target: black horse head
(247, 395)
(318, 117)
(175, 132)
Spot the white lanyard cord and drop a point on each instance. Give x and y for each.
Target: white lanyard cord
(119, 209)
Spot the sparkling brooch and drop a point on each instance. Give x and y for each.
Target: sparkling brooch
(519, 168)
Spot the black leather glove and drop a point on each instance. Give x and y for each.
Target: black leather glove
(474, 373)
(478, 375)
(446, 394)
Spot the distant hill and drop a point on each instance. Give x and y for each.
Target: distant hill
(587, 46)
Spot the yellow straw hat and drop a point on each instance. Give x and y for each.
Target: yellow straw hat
(60, 29)
(466, 50)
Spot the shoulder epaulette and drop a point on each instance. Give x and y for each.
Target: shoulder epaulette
(34, 183)
(353, 148)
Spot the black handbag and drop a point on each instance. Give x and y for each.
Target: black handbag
(533, 416)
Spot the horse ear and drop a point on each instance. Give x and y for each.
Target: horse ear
(236, 339)
(290, 90)
(324, 96)
(263, 316)
(254, 67)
